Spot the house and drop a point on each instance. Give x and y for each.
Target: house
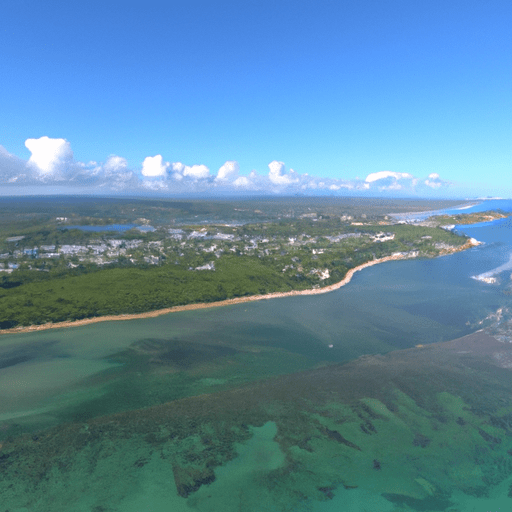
(208, 266)
(72, 249)
(223, 236)
(383, 237)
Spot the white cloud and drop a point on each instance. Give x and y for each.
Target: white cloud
(154, 166)
(178, 167)
(389, 180)
(197, 172)
(229, 170)
(434, 181)
(376, 176)
(51, 163)
(49, 154)
(115, 163)
(332, 184)
(277, 175)
(177, 170)
(116, 173)
(242, 182)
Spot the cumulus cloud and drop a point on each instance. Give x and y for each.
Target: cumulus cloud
(277, 175)
(332, 184)
(197, 172)
(52, 164)
(434, 181)
(154, 166)
(114, 164)
(112, 174)
(404, 182)
(242, 182)
(381, 175)
(389, 180)
(177, 176)
(229, 170)
(176, 171)
(48, 155)
(115, 173)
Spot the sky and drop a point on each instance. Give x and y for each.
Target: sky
(354, 97)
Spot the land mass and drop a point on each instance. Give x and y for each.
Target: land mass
(469, 218)
(56, 272)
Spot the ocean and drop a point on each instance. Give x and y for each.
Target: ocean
(353, 400)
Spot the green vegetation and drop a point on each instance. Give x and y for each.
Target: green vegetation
(469, 218)
(23, 213)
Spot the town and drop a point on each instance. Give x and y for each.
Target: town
(200, 247)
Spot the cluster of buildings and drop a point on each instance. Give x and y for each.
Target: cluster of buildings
(192, 247)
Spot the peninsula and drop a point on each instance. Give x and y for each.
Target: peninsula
(67, 268)
(469, 218)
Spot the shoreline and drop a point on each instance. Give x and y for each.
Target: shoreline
(227, 302)
(462, 206)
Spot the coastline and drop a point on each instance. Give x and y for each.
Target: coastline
(462, 206)
(228, 302)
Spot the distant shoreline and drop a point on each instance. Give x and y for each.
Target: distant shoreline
(462, 206)
(228, 302)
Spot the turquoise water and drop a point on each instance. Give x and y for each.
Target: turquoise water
(233, 424)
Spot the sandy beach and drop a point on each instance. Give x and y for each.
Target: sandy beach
(227, 302)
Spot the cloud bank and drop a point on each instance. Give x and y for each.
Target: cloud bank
(52, 165)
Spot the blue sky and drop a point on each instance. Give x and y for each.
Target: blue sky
(415, 95)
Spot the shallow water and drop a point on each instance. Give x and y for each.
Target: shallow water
(242, 438)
